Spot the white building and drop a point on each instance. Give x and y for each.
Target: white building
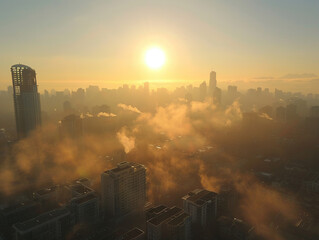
(123, 189)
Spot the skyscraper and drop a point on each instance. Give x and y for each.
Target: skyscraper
(212, 82)
(202, 91)
(26, 99)
(213, 90)
(123, 189)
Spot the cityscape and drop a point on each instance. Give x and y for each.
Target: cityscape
(219, 156)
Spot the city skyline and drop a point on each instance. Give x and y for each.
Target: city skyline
(306, 83)
(159, 120)
(243, 41)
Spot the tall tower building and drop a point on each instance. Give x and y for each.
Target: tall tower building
(123, 189)
(26, 99)
(212, 82)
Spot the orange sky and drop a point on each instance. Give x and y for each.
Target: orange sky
(74, 44)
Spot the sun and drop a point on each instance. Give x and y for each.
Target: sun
(155, 58)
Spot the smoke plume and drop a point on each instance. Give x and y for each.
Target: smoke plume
(129, 108)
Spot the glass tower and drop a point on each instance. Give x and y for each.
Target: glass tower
(26, 99)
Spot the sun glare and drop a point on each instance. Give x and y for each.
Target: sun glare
(155, 58)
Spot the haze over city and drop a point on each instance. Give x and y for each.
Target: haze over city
(159, 120)
(77, 43)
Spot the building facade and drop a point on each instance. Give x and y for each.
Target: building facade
(201, 205)
(123, 189)
(26, 99)
(85, 208)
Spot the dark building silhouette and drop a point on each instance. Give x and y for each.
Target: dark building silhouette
(15, 213)
(26, 99)
(213, 90)
(71, 126)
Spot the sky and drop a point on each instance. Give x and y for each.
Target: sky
(76, 43)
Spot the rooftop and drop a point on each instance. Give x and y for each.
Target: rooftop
(46, 190)
(165, 215)
(178, 219)
(79, 188)
(20, 65)
(17, 207)
(157, 209)
(83, 199)
(200, 196)
(34, 222)
(154, 211)
(132, 234)
(124, 166)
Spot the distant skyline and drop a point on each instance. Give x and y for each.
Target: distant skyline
(77, 43)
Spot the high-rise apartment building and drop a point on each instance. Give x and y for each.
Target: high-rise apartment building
(201, 205)
(26, 99)
(123, 189)
(85, 208)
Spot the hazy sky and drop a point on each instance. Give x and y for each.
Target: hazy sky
(75, 43)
